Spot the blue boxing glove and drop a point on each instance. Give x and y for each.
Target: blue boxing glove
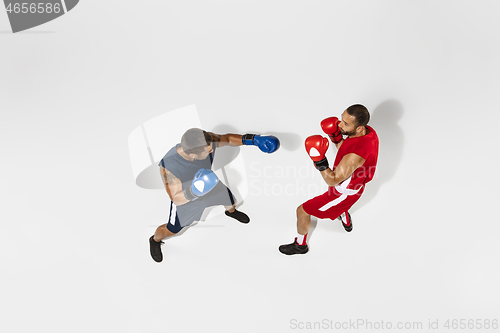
(266, 143)
(203, 182)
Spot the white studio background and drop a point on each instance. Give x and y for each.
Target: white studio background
(74, 227)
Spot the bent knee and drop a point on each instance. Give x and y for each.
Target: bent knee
(301, 211)
(173, 228)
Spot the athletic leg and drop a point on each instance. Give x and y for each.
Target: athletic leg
(299, 245)
(221, 195)
(162, 232)
(303, 221)
(230, 209)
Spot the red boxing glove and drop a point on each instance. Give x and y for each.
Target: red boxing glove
(316, 147)
(331, 127)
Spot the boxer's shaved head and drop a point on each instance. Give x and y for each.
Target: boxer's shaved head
(354, 119)
(195, 141)
(360, 114)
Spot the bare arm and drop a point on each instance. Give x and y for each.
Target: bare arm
(222, 140)
(339, 144)
(173, 185)
(344, 170)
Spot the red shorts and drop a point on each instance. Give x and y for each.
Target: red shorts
(330, 204)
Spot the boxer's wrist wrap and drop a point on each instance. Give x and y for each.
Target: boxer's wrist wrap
(247, 139)
(188, 193)
(336, 138)
(322, 165)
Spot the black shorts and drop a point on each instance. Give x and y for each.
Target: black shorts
(184, 215)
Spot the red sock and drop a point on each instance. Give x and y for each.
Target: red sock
(301, 239)
(347, 219)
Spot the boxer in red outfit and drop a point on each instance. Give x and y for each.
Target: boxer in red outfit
(354, 166)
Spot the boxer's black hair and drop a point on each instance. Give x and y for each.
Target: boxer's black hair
(360, 113)
(195, 140)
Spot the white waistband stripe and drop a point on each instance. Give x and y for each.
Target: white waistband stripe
(344, 191)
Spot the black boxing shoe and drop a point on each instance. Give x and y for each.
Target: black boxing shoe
(155, 249)
(347, 228)
(237, 215)
(293, 248)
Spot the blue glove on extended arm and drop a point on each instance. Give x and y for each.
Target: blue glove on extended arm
(266, 143)
(203, 182)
